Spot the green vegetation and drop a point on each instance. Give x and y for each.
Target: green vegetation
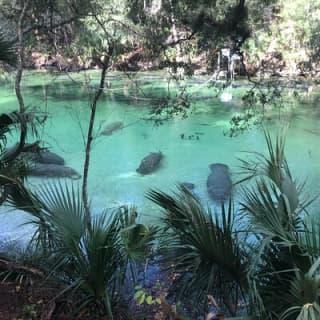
(274, 36)
(268, 265)
(90, 259)
(211, 254)
(271, 263)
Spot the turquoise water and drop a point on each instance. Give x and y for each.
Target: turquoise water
(113, 179)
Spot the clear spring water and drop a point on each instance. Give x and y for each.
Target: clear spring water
(113, 179)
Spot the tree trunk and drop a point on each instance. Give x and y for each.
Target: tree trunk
(174, 30)
(20, 57)
(105, 65)
(23, 125)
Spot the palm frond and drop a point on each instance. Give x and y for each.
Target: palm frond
(32, 119)
(200, 246)
(272, 275)
(137, 239)
(90, 259)
(309, 238)
(310, 311)
(275, 211)
(269, 210)
(22, 198)
(273, 165)
(303, 297)
(87, 260)
(64, 213)
(102, 245)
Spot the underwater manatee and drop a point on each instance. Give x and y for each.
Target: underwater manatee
(110, 128)
(27, 147)
(32, 152)
(46, 157)
(53, 171)
(150, 163)
(219, 183)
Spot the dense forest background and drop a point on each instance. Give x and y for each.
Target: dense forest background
(272, 37)
(83, 265)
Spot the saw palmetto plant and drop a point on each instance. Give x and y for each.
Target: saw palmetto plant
(287, 245)
(91, 259)
(203, 248)
(13, 165)
(274, 268)
(304, 290)
(264, 256)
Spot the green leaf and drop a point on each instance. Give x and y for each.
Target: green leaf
(149, 300)
(138, 294)
(200, 245)
(141, 298)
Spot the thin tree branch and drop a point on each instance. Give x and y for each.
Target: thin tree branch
(20, 48)
(105, 65)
